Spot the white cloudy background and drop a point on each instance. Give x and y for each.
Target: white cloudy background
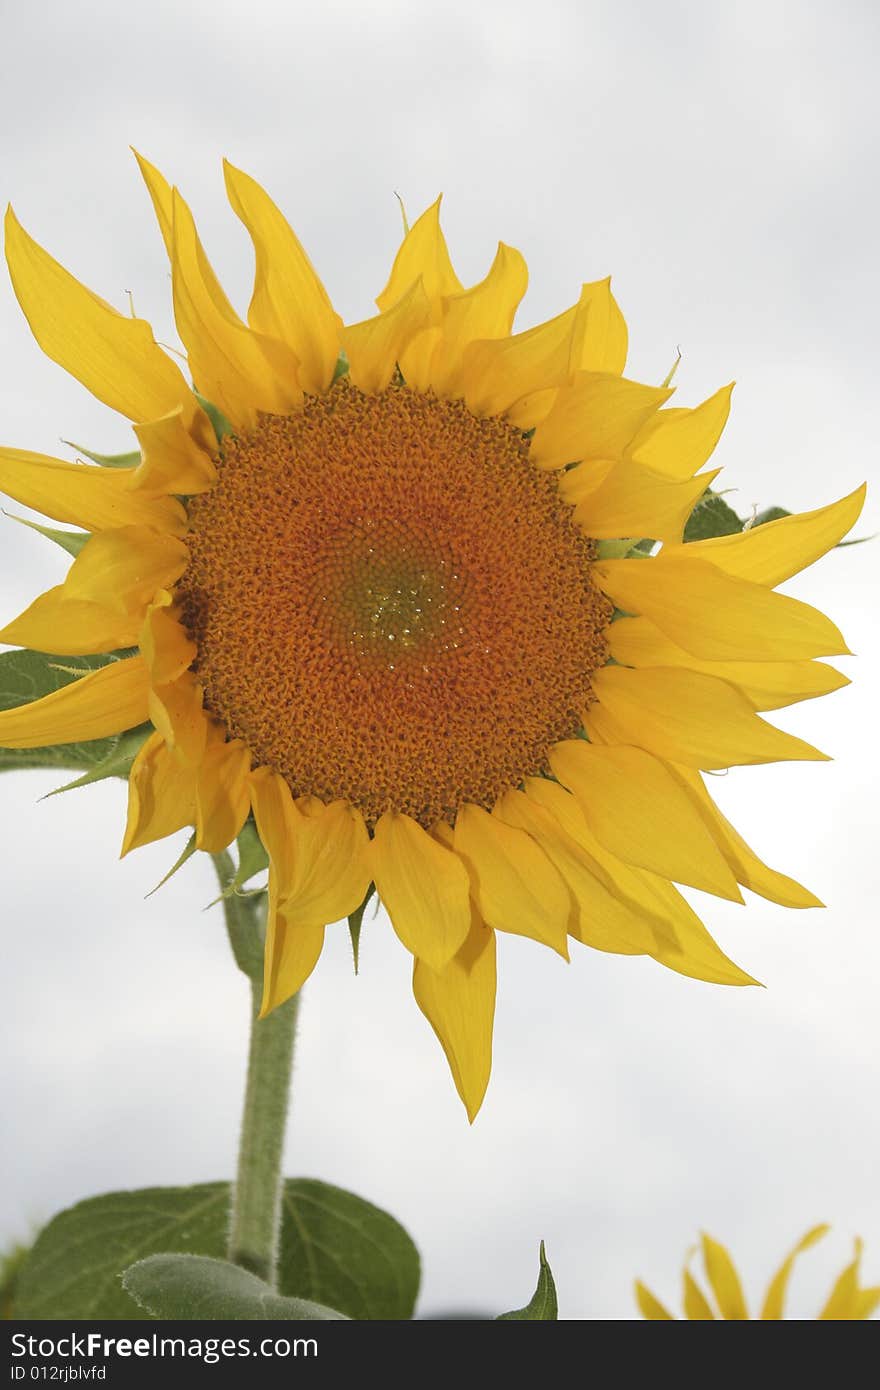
(717, 159)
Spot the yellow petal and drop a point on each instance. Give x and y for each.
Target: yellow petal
(696, 953)
(176, 710)
(619, 915)
(124, 568)
(171, 458)
(278, 823)
(774, 1299)
(96, 499)
(696, 1306)
(164, 643)
(238, 370)
(649, 1306)
(679, 442)
(330, 867)
(724, 1280)
(513, 883)
(495, 373)
(423, 255)
(686, 717)
(773, 552)
(631, 500)
(842, 1304)
(485, 311)
(222, 794)
(459, 1003)
(766, 684)
(96, 705)
(375, 346)
(292, 952)
(716, 616)
(600, 341)
(162, 197)
(595, 417)
(161, 795)
(641, 813)
(113, 356)
(289, 302)
(70, 627)
(424, 888)
(749, 870)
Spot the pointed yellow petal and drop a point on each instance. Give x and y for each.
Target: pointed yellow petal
(375, 346)
(600, 342)
(222, 794)
(631, 500)
(161, 795)
(774, 1299)
(96, 499)
(171, 458)
(513, 883)
(773, 552)
(642, 814)
(238, 370)
(423, 255)
(424, 888)
(459, 1003)
(679, 442)
(750, 871)
(124, 568)
(292, 952)
(289, 302)
(162, 197)
(842, 1305)
(485, 311)
(716, 616)
(696, 1306)
(724, 1280)
(615, 914)
(114, 356)
(687, 717)
(766, 684)
(164, 643)
(278, 823)
(696, 953)
(866, 1302)
(101, 703)
(176, 710)
(649, 1306)
(330, 869)
(495, 373)
(594, 418)
(69, 627)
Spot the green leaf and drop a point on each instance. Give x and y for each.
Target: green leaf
(711, 517)
(107, 460)
(71, 541)
(193, 1286)
(769, 514)
(542, 1306)
(336, 1249)
(222, 426)
(26, 676)
(354, 926)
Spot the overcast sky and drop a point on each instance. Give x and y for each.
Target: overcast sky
(719, 161)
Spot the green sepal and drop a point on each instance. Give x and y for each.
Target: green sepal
(190, 1287)
(355, 919)
(341, 368)
(542, 1307)
(252, 860)
(130, 460)
(186, 854)
(221, 424)
(633, 548)
(71, 541)
(26, 676)
(711, 516)
(117, 763)
(336, 1249)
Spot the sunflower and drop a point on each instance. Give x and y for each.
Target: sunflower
(847, 1302)
(379, 587)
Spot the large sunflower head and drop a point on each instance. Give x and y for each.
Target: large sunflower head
(413, 593)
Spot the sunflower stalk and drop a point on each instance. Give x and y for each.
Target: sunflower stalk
(255, 1214)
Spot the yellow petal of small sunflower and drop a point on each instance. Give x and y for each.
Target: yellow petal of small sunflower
(774, 1299)
(103, 702)
(679, 442)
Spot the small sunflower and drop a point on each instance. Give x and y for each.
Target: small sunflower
(371, 572)
(847, 1302)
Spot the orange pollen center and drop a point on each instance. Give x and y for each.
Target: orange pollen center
(391, 603)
